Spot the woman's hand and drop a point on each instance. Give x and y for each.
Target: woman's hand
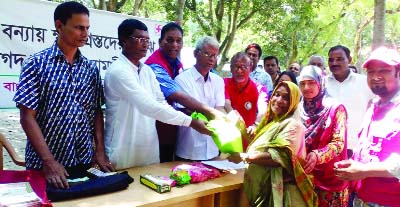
(251, 131)
(311, 161)
(236, 157)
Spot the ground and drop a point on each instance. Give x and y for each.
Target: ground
(10, 127)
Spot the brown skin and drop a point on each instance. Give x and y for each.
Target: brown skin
(206, 59)
(171, 45)
(310, 89)
(295, 68)
(384, 81)
(272, 68)
(280, 102)
(240, 69)
(71, 36)
(339, 64)
(134, 51)
(317, 61)
(254, 55)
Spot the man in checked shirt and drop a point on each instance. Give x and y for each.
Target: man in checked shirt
(59, 97)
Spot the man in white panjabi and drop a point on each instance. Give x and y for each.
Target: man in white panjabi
(134, 102)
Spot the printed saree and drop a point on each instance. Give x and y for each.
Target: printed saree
(283, 138)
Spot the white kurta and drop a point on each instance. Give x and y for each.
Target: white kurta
(133, 102)
(355, 95)
(191, 144)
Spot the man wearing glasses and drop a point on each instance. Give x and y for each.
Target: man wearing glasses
(250, 99)
(207, 88)
(166, 66)
(134, 102)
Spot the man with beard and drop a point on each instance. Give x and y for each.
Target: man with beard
(375, 166)
(348, 88)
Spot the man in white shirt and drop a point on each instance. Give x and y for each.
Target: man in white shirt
(350, 89)
(207, 88)
(134, 102)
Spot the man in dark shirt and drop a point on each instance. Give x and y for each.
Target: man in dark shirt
(59, 97)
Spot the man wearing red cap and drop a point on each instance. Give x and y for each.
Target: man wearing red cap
(375, 166)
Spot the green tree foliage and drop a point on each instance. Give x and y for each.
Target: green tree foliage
(289, 29)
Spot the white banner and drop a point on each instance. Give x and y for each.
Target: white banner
(27, 26)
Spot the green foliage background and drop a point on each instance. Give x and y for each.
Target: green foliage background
(289, 29)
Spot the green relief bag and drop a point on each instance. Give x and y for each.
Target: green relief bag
(225, 133)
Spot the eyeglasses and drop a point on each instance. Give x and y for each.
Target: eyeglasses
(206, 54)
(242, 67)
(141, 39)
(293, 68)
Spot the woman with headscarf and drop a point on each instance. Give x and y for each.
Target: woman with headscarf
(325, 137)
(274, 176)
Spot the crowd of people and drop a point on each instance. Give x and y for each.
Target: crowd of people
(314, 138)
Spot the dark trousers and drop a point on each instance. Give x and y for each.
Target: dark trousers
(167, 138)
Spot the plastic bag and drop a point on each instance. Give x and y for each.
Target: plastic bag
(225, 132)
(197, 173)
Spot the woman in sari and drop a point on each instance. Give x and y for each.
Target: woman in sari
(274, 176)
(325, 137)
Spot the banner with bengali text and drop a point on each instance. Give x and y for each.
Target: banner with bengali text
(27, 26)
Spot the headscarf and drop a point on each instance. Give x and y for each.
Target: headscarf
(314, 108)
(263, 186)
(294, 94)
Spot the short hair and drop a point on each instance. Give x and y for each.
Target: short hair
(317, 56)
(240, 55)
(290, 74)
(340, 47)
(353, 67)
(170, 26)
(64, 11)
(271, 57)
(127, 27)
(206, 40)
(255, 46)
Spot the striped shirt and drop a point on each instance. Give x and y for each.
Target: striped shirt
(65, 98)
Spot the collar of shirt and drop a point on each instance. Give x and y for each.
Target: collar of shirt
(257, 70)
(395, 99)
(348, 78)
(198, 76)
(173, 62)
(135, 68)
(55, 51)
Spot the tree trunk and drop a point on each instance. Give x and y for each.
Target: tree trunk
(179, 11)
(136, 6)
(378, 38)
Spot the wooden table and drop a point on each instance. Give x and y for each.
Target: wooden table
(220, 192)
